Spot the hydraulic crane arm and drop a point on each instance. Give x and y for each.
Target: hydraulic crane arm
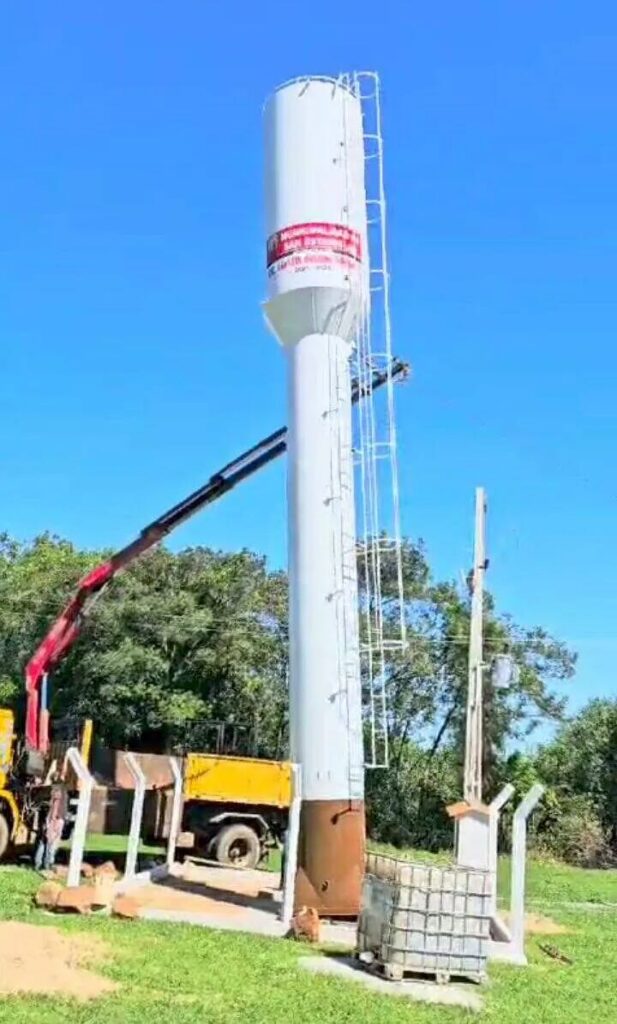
(65, 629)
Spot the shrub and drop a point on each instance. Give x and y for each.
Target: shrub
(570, 829)
(406, 804)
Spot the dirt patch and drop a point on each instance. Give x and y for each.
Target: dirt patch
(44, 961)
(537, 924)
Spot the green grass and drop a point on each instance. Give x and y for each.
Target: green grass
(115, 844)
(421, 856)
(188, 975)
(548, 882)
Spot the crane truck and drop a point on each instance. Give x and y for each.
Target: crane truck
(234, 805)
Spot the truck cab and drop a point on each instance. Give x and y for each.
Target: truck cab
(22, 790)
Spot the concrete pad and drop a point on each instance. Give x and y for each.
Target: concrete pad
(172, 897)
(348, 969)
(507, 953)
(339, 933)
(254, 920)
(239, 880)
(211, 896)
(156, 874)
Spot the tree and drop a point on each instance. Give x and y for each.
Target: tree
(580, 767)
(427, 690)
(406, 804)
(428, 682)
(174, 640)
(179, 639)
(35, 581)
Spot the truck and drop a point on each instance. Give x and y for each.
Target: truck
(234, 807)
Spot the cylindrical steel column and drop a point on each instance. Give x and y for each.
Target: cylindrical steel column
(325, 704)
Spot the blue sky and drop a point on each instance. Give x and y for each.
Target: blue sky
(134, 360)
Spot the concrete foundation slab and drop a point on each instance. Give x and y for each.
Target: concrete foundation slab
(507, 953)
(141, 878)
(210, 896)
(348, 969)
(339, 933)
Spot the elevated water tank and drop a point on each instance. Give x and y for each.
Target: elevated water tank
(315, 209)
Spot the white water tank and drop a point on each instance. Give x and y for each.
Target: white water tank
(315, 210)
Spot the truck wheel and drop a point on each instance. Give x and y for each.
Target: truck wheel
(5, 836)
(239, 846)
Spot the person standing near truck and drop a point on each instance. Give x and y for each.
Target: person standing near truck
(53, 825)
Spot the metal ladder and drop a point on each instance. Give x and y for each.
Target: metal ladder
(379, 532)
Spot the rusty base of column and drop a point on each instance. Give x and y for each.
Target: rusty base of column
(331, 853)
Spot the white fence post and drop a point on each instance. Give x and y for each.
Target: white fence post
(291, 847)
(496, 807)
(80, 828)
(136, 814)
(176, 811)
(519, 853)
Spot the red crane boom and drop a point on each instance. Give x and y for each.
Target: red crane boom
(65, 629)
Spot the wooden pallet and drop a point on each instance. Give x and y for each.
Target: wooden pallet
(396, 972)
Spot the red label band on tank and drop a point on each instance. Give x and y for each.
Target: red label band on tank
(333, 238)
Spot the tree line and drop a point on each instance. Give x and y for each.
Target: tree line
(185, 639)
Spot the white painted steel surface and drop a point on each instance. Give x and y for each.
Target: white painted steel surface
(317, 289)
(325, 693)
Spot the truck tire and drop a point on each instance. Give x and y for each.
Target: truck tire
(5, 836)
(238, 846)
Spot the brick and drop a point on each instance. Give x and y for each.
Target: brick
(103, 891)
(107, 870)
(47, 895)
(77, 899)
(305, 926)
(126, 907)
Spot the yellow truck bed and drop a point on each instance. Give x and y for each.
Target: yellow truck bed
(237, 780)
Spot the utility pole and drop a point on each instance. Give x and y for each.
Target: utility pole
(473, 735)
